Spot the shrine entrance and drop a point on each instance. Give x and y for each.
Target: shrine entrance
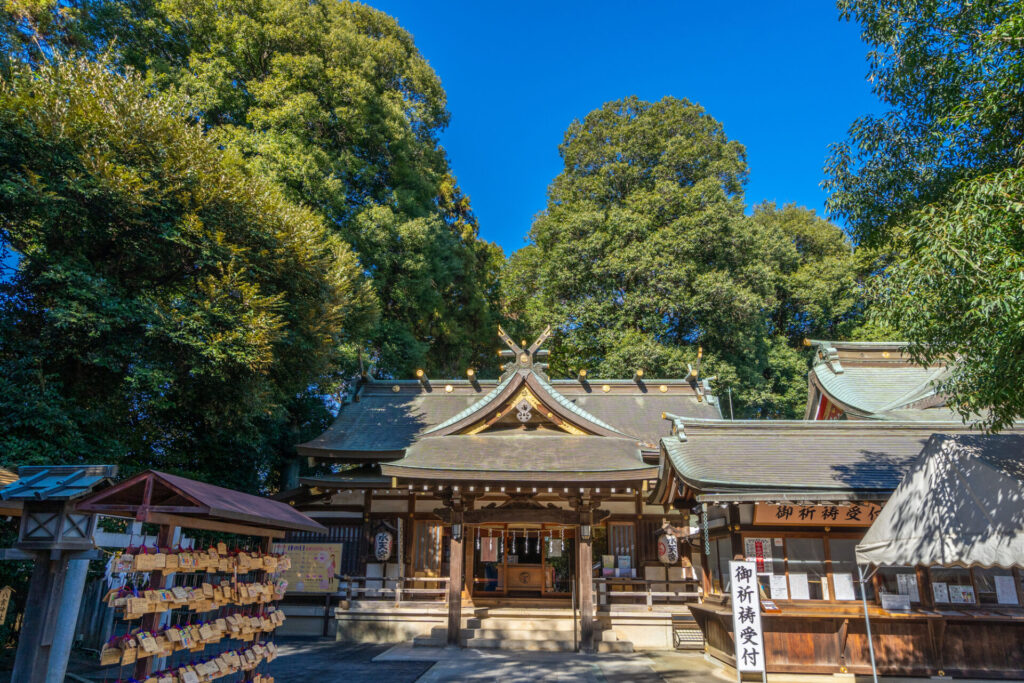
(522, 560)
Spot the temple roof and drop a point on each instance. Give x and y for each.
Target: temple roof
(527, 458)
(796, 459)
(877, 381)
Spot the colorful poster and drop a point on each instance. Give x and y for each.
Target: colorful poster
(759, 551)
(314, 566)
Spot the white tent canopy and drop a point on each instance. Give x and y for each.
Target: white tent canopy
(961, 504)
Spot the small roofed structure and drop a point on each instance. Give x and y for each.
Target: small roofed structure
(58, 538)
(168, 499)
(873, 381)
(960, 504)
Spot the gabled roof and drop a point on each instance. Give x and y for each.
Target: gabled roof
(388, 416)
(873, 380)
(495, 401)
(795, 459)
(156, 493)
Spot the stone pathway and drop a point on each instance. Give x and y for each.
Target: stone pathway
(313, 661)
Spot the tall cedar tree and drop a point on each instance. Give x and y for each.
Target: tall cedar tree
(333, 101)
(167, 309)
(644, 254)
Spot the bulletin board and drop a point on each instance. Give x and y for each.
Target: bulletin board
(314, 566)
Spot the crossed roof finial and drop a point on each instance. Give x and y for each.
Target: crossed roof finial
(524, 359)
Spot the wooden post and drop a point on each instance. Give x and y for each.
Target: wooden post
(41, 607)
(585, 569)
(157, 580)
(456, 556)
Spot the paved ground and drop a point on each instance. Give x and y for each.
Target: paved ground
(325, 661)
(319, 660)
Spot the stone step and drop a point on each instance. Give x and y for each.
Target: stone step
(614, 646)
(520, 624)
(528, 645)
(508, 634)
(429, 641)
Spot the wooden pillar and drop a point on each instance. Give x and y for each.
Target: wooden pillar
(456, 555)
(585, 569)
(364, 547)
(41, 608)
(157, 580)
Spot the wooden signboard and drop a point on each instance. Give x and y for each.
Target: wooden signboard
(314, 566)
(786, 514)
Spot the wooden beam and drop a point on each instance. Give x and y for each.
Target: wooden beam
(212, 525)
(527, 516)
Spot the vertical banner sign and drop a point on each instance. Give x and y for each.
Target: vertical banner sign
(746, 617)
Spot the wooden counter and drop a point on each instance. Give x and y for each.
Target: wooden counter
(831, 638)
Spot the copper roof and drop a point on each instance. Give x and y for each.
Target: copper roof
(523, 457)
(876, 380)
(390, 415)
(835, 456)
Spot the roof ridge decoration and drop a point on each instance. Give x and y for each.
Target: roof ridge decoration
(524, 359)
(678, 427)
(525, 390)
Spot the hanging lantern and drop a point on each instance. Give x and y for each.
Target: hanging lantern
(668, 548)
(383, 545)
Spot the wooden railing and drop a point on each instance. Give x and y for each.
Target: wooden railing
(693, 592)
(349, 587)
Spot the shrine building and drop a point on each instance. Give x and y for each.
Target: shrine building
(502, 486)
(601, 514)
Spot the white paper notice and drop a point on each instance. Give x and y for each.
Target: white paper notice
(746, 617)
(907, 585)
(798, 586)
(824, 588)
(844, 586)
(778, 586)
(895, 602)
(1006, 592)
(941, 592)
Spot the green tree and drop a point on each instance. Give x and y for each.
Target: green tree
(951, 75)
(937, 184)
(333, 101)
(644, 253)
(168, 309)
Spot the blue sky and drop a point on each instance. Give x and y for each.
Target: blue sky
(784, 78)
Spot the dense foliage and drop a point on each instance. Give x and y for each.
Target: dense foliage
(333, 102)
(644, 253)
(168, 308)
(937, 182)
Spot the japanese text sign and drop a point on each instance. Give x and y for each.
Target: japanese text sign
(854, 514)
(746, 617)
